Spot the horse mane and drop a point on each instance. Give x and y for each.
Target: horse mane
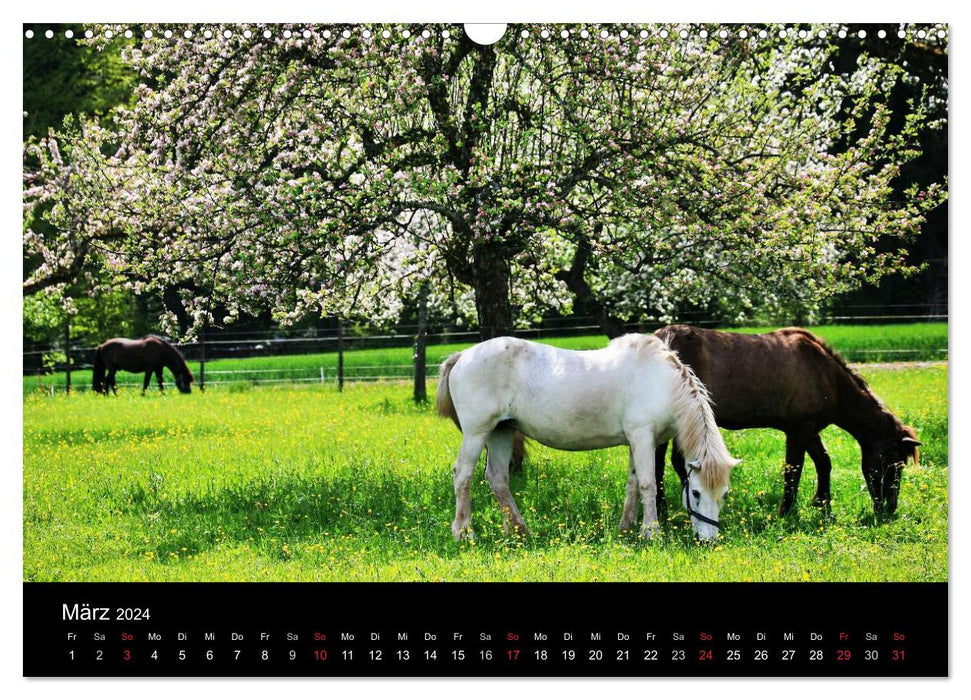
(855, 377)
(862, 385)
(833, 355)
(697, 431)
(696, 426)
(176, 353)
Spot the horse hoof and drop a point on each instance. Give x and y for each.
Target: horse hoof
(462, 532)
(647, 533)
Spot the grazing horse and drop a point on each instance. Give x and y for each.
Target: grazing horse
(148, 355)
(634, 392)
(792, 381)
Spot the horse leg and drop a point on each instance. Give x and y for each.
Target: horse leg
(148, 379)
(662, 505)
(158, 376)
(112, 383)
(500, 446)
(629, 513)
(792, 471)
(642, 452)
(472, 445)
(820, 457)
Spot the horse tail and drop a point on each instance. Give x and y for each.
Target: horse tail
(443, 397)
(98, 382)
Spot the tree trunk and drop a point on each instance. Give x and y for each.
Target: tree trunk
(491, 271)
(172, 300)
(585, 300)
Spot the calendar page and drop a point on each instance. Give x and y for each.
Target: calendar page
(485, 350)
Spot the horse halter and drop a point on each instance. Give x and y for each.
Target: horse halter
(687, 503)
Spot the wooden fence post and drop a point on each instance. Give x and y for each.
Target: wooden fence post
(67, 355)
(421, 393)
(340, 353)
(202, 359)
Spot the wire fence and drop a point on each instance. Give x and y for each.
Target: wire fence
(48, 364)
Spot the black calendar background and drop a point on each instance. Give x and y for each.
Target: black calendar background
(486, 629)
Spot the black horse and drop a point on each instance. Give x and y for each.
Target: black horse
(148, 355)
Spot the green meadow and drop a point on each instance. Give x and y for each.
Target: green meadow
(302, 483)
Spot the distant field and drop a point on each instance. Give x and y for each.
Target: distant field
(877, 343)
(291, 483)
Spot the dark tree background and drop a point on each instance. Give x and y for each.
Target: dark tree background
(927, 65)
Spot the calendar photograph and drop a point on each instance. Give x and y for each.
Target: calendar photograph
(542, 303)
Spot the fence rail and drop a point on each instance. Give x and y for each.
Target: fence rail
(278, 342)
(375, 373)
(222, 345)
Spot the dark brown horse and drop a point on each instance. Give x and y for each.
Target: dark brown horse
(792, 381)
(148, 355)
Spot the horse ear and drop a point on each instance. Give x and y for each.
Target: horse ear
(736, 462)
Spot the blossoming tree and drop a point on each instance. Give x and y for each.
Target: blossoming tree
(343, 169)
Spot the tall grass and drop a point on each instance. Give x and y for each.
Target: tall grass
(304, 483)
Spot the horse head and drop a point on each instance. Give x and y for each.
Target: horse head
(883, 466)
(702, 493)
(183, 382)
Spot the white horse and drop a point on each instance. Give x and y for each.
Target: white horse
(634, 392)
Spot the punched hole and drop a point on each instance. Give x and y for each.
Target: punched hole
(485, 34)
